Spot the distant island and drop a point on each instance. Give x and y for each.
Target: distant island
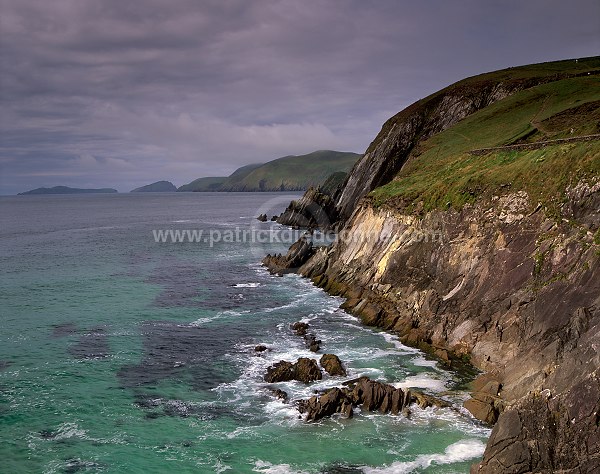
(68, 190)
(158, 187)
(289, 173)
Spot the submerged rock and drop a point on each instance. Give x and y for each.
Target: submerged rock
(300, 328)
(279, 394)
(312, 343)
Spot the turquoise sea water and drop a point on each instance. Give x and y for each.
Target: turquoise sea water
(121, 354)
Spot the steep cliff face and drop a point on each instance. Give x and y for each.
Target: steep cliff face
(493, 258)
(400, 135)
(513, 290)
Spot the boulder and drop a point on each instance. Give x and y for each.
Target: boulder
(485, 404)
(333, 401)
(300, 328)
(332, 365)
(304, 370)
(262, 218)
(260, 348)
(282, 371)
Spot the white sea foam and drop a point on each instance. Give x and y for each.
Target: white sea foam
(246, 285)
(220, 467)
(242, 432)
(423, 380)
(229, 312)
(282, 413)
(457, 452)
(447, 416)
(269, 468)
(422, 362)
(392, 339)
(201, 321)
(69, 430)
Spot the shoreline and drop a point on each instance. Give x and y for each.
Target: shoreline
(505, 290)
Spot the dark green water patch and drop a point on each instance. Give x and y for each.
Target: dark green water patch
(182, 353)
(64, 329)
(92, 345)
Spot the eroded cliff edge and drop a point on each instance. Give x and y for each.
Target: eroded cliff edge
(506, 273)
(512, 290)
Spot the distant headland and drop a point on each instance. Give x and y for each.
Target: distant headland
(68, 190)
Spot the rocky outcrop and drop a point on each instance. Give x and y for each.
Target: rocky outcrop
(301, 329)
(485, 404)
(313, 209)
(370, 395)
(504, 283)
(333, 401)
(296, 256)
(304, 370)
(504, 286)
(316, 208)
(332, 365)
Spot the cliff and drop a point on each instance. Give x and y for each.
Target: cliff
(401, 134)
(490, 257)
(510, 290)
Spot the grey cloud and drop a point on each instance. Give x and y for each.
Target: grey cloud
(113, 93)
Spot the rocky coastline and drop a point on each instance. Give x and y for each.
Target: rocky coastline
(506, 284)
(511, 292)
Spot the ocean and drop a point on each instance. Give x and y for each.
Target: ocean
(123, 354)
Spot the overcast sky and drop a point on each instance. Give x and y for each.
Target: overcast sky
(114, 93)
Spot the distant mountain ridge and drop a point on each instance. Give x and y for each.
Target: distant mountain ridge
(158, 187)
(68, 190)
(289, 173)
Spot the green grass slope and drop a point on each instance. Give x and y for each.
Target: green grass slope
(209, 183)
(217, 183)
(441, 172)
(238, 175)
(528, 74)
(295, 173)
(158, 187)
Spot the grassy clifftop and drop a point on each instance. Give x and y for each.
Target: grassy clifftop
(442, 172)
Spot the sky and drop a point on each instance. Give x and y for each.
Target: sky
(113, 93)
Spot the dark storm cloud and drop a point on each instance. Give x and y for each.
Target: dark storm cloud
(113, 93)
